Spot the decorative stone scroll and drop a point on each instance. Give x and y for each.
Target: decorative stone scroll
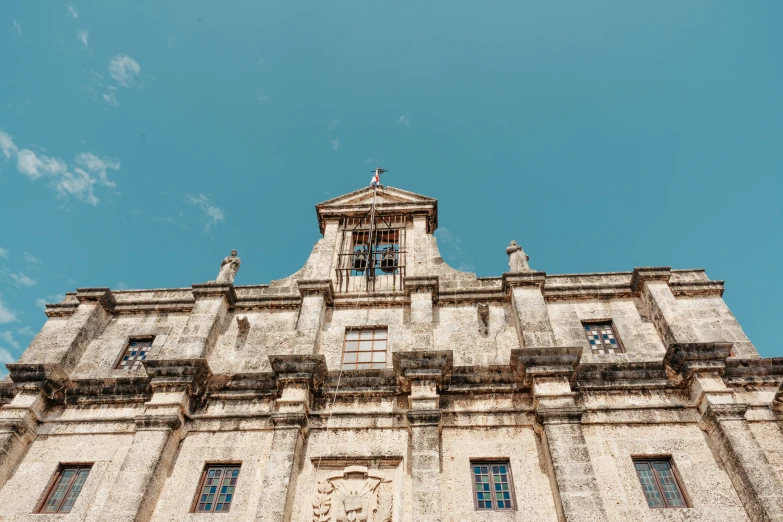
(354, 494)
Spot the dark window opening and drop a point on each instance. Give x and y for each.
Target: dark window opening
(492, 486)
(216, 488)
(602, 338)
(135, 352)
(659, 483)
(66, 486)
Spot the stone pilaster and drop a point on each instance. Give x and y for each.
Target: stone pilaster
(213, 301)
(651, 284)
(530, 311)
(701, 366)
(297, 376)
(63, 345)
(548, 372)
(316, 296)
(18, 423)
(423, 293)
(422, 374)
(159, 430)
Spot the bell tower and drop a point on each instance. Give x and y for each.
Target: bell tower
(377, 244)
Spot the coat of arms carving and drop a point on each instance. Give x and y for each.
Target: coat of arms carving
(355, 494)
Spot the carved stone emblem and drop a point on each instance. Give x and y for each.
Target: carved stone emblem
(353, 495)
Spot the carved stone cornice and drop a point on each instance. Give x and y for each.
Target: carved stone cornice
(716, 413)
(559, 361)
(18, 427)
(432, 365)
(621, 375)
(689, 358)
(214, 290)
(190, 375)
(413, 284)
(289, 420)
(148, 422)
(545, 416)
(649, 273)
(109, 391)
(310, 369)
(48, 378)
(424, 417)
(531, 279)
(102, 296)
(763, 372)
(322, 287)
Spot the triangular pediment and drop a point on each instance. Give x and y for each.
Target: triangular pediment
(387, 200)
(387, 195)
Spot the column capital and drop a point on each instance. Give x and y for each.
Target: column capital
(413, 284)
(424, 417)
(689, 358)
(322, 287)
(525, 279)
(190, 375)
(101, 296)
(48, 378)
(422, 365)
(649, 273)
(212, 290)
(723, 412)
(147, 422)
(289, 420)
(309, 369)
(557, 361)
(572, 415)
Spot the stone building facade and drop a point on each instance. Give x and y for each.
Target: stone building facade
(417, 394)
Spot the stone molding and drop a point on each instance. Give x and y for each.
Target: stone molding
(689, 358)
(310, 369)
(148, 422)
(413, 284)
(50, 379)
(424, 417)
(215, 290)
(545, 416)
(558, 361)
(288, 420)
(434, 365)
(322, 287)
(621, 375)
(18, 427)
(102, 296)
(649, 273)
(532, 279)
(191, 375)
(722, 412)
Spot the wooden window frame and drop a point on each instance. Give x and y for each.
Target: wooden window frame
(352, 366)
(140, 338)
(61, 468)
(197, 496)
(489, 463)
(596, 322)
(650, 459)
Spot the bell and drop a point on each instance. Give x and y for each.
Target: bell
(360, 261)
(389, 260)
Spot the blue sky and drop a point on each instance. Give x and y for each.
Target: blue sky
(141, 140)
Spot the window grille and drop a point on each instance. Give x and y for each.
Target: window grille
(216, 488)
(135, 352)
(492, 486)
(379, 266)
(66, 486)
(602, 338)
(365, 349)
(659, 483)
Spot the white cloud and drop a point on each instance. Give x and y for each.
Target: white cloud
(111, 96)
(41, 301)
(335, 144)
(73, 12)
(6, 314)
(171, 41)
(405, 119)
(5, 358)
(83, 37)
(7, 145)
(4, 253)
(453, 246)
(335, 123)
(21, 279)
(8, 338)
(70, 181)
(124, 69)
(213, 214)
(31, 259)
(15, 27)
(25, 330)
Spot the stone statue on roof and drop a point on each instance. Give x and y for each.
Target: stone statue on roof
(228, 269)
(517, 259)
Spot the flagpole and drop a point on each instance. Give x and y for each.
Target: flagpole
(371, 260)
